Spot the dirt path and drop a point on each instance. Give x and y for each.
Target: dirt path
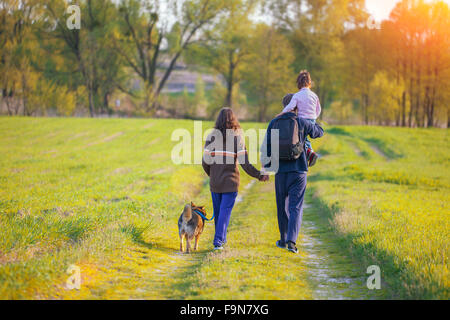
(333, 274)
(378, 151)
(330, 271)
(154, 269)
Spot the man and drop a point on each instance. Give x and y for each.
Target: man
(290, 180)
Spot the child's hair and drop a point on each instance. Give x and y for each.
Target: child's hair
(287, 99)
(304, 79)
(226, 120)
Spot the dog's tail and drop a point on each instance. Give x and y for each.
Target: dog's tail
(187, 213)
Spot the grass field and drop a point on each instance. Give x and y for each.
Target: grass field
(103, 194)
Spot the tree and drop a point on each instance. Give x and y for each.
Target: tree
(385, 107)
(142, 32)
(89, 48)
(361, 64)
(17, 43)
(422, 44)
(200, 103)
(226, 46)
(315, 30)
(268, 74)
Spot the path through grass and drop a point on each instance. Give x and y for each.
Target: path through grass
(103, 194)
(250, 266)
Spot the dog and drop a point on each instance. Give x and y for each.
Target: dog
(190, 226)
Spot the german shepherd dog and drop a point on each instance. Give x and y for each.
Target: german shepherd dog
(190, 226)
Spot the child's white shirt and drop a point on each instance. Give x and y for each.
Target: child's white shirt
(307, 103)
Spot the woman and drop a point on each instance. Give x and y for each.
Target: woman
(224, 148)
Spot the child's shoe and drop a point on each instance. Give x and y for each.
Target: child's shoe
(311, 157)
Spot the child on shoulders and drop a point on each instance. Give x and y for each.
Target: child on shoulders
(308, 107)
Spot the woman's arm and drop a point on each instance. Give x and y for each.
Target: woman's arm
(242, 158)
(206, 164)
(247, 166)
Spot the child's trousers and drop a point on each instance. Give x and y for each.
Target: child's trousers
(307, 142)
(223, 205)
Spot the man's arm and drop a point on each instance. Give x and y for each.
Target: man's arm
(266, 148)
(312, 129)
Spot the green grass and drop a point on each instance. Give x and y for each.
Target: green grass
(386, 191)
(250, 266)
(82, 190)
(103, 194)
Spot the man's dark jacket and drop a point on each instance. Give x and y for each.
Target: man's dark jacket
(305, 128)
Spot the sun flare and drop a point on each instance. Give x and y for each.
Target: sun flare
(380, 9)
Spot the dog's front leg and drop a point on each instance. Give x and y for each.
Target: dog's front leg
(181, 243)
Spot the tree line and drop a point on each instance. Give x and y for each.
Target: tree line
(394, 73)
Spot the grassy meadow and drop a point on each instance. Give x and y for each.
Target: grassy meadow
(103, 194)
(386, 192)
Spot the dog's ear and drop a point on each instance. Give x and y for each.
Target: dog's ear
(192, 205)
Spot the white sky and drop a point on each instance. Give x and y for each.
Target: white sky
(380, 9)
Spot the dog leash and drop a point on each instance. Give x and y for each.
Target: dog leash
(202, 215)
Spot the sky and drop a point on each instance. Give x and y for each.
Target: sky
(380, 9)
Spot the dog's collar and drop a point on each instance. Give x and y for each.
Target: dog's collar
(202, 215)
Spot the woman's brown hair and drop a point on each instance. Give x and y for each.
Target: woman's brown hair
(303, 80)
(226, 120)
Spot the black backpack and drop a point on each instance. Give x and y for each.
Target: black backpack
(289, 142)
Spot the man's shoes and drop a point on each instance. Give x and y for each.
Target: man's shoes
(280, 244)
(291, 247)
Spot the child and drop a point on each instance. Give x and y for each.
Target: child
(308, 106)
(224, 175)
